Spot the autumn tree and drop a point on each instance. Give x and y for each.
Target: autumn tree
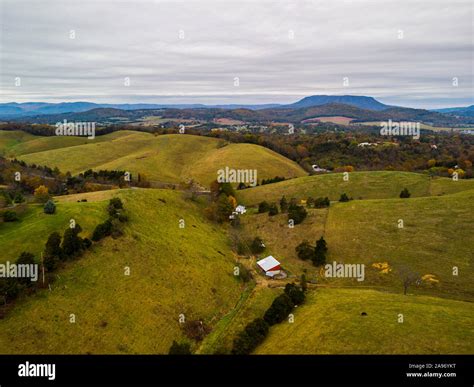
(42, 194)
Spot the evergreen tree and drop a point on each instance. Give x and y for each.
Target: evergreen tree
(297, 213)
(320, 251)
(283, 204)
(49, 207)
(279, 310)
(295, 293)
(52, 253)
(72, 243)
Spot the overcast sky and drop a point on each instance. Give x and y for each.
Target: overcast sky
(401, 52)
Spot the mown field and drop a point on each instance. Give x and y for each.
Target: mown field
(168, 158)
(173, 271)
(31, 232)
(361, 185)
(436, 236)
(330, 322)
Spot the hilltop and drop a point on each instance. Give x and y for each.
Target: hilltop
(361, 185)
(170, 158)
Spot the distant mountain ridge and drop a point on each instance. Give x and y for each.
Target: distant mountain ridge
(265, 116)
(467, 111)
(362, 102)
(14, 109)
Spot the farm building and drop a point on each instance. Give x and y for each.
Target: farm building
(270, 266)
(240, 209)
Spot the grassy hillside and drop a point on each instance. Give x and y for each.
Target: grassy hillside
(173, 271)
(436, 236)
(17, 143)
(361, 185)
(330, 322)
(170, 158)
(31, 232)
(10, 139)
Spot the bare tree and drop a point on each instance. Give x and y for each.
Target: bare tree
(409, 277)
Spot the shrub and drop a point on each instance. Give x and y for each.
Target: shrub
(49, 207)
(9, 289)
(273, 210)
(86, 243)
(263, 207)
(257, 246)
(283, 204)
(244, 273)
(297, 213)
(304, 251)
(102, 230)
(322, 202)
(179, 349)
(253, 334)
(344, 198)
(18, 198)
(10, 216)
(279, 310)
(116, 203)
(405, 194)
(295, 293)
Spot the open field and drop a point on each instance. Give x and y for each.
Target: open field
(436, 237)
(340, 120)
(31, 232)
(361, 185)
(173, 271)
(17, 143)
(330, 322)
(170, 158)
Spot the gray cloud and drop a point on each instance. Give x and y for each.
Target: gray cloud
(279, 50)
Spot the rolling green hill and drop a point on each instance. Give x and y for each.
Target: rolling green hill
(31, 232)
(436, 237)
(17, 143)
(361, 185)
(330, 322)
(170, 158)
(173, 271)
